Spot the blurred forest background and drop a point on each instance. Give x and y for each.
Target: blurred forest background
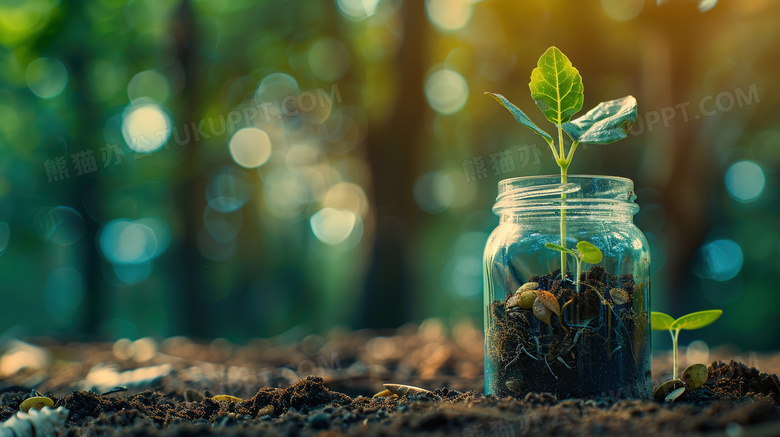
(259, 168)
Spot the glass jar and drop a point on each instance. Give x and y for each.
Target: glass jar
(544, 333)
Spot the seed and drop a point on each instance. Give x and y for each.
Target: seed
(384, 394)
(663, 390)
(695, 376)
(220, 398)
(192, 396)
(542, 312)
(526, 299)
(619, 296)
(675, 394)
(549, 301)
(36, 402)
(406, 390)
(512, 301)
(528, 286)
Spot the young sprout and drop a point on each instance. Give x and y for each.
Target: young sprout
(557, 88)
(585, 251)
(665, 322)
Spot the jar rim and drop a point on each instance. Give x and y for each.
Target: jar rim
(583, 192)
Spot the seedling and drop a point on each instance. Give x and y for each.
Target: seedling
(665, 322)
(585, 251)
(557, 88)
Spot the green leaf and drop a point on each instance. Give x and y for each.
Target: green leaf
(520, 116)
(696, 320)
(660, 321)
(556, 86)
(604, 124)
(556, 247)
(590, 253)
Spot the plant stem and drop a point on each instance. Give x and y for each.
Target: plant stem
(579, 271)
(564, 164)
(674, 352)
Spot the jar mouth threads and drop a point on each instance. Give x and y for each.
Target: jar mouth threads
(588, 194)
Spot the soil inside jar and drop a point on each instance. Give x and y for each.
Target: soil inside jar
(597, 346)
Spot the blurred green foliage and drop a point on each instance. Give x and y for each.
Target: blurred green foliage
(241, 169)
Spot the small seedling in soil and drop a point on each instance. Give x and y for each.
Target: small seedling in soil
(557, 88)
(665, 322)
(585, 251)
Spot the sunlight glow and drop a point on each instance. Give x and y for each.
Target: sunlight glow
(250, 147)
(145, 127)
(333, 226)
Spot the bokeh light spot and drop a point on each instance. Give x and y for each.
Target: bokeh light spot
(706, 5)
(745, 181)
(434, 192)
(228, 191)
(449, 15)
(149, 83)
(333, 226)
(698, 352)
(286, 193)
(146, 127)
(329, 59)
(250, 147)
(46, 77)
(622, 10)
(346, 195)
(462, 274)
(130, 242)
(357, 9)
(223, 227)
(719, 260)
(62, 225)
(447, 91)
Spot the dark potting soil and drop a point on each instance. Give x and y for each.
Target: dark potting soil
(593, 348)
(280, 400)
(736, 398)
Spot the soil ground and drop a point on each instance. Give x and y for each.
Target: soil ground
(278, 398)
